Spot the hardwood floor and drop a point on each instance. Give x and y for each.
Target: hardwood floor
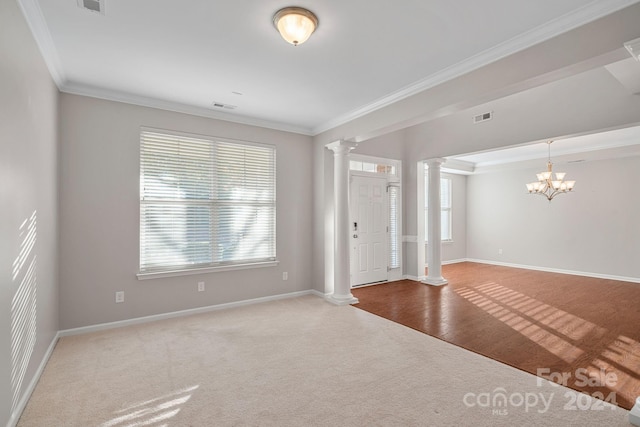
(547, 324)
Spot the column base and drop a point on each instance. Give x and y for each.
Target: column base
(634, 414)
(342, 299)
(438, 281)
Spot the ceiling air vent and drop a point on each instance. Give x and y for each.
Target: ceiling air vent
(96, 6)
(483, 117)
(226, 106)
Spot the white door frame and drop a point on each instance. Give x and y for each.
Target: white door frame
(369, 222)
(392, 180)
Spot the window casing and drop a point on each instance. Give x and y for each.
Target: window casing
(445, 208)
(205, 202)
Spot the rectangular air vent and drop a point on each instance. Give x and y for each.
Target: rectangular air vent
(96, 6)
(483, 117)
(226, 106)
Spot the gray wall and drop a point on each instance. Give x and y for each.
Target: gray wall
(594, 230)
(28, 186)
(99, 212)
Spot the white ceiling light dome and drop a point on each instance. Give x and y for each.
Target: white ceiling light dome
(295, 24)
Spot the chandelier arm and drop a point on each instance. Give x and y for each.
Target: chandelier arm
(555, 193)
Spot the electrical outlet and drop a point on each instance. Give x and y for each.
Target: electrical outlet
(119, 297)
(285, 275)
(200, 286)
(499, 251)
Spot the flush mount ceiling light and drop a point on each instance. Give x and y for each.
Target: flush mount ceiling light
(546, 185)
(295, 24)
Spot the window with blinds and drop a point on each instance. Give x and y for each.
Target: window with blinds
(394, 237)
(205, 202)
(445, 208)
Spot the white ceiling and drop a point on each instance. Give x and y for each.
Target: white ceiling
(184, 55)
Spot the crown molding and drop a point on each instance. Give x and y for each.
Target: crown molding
(593, 153)
(594, 10)
(38, 26)
(459, 167)
(143, 101)
(562, 24)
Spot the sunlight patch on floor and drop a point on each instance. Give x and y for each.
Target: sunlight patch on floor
(153, 411)
(623, 356)
(554, 329)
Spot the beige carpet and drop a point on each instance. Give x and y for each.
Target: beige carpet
(295, 362)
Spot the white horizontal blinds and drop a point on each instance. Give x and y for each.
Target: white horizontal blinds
(394, 259)
(245, 212)
(175, 188)
(204, 202)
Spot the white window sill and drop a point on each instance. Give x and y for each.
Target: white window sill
(442, 241)
(189, 271)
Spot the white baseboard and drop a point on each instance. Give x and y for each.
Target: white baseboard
(557, 270)
(452, 261)
(199, 310)
(414, 278)
(22, 403)
(318, 293)
(533, 267)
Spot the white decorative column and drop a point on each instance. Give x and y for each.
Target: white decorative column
(342, 274)
(434, 245)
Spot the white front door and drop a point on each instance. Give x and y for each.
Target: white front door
(369, 219)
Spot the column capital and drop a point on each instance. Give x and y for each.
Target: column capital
(341, 146)
(436, 161)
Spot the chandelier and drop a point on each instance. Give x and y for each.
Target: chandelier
(546, 185)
